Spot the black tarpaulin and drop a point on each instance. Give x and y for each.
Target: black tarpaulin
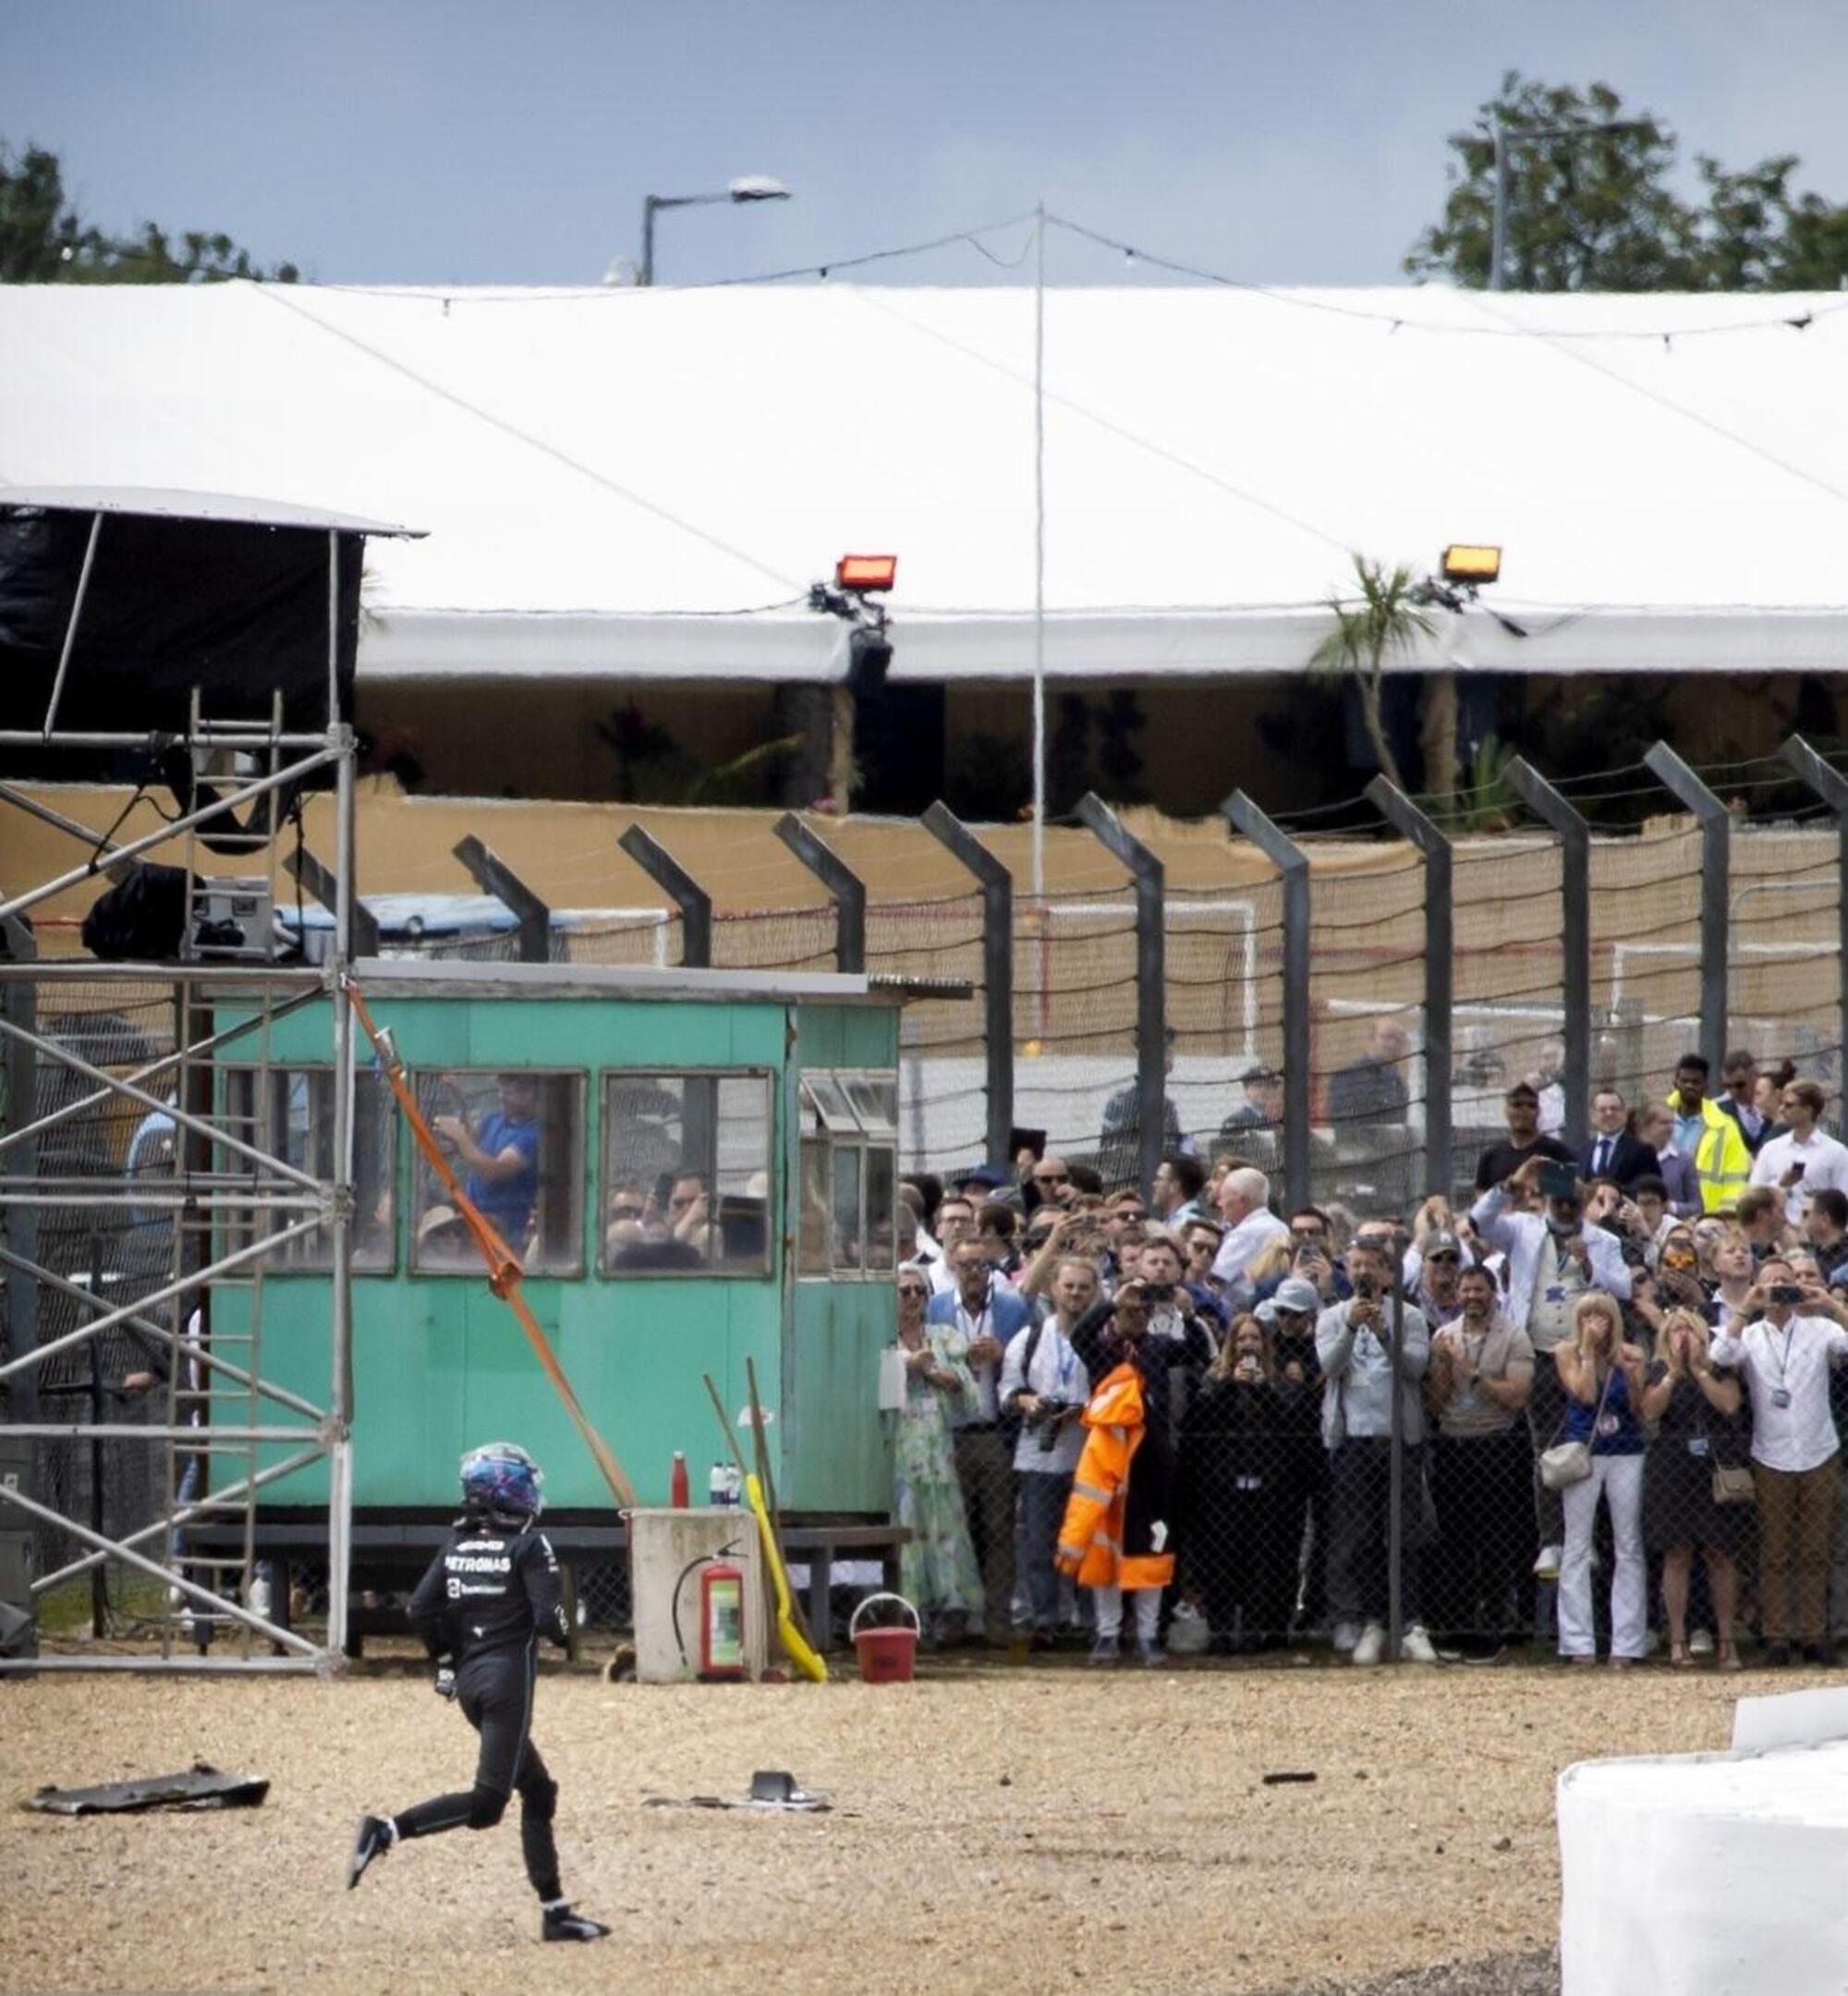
(236, 608)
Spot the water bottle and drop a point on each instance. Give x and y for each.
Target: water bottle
(735, 1485)
(718, 1487)
(677, 1497)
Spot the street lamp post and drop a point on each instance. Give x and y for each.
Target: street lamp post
(1506, 141)
(747, 188)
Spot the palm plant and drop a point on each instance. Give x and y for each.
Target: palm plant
(1385, 622)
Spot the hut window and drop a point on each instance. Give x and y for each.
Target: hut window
(686, 1174)
(516, 1140)
(848, 1173)
(289, 1113)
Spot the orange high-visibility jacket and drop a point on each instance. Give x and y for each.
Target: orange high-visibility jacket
(1090, 1539)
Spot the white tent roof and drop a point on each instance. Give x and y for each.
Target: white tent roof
(643, 483)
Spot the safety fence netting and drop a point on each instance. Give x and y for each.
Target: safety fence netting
(1369, 1078)
(1645, 955)
(1784, 951)
(1508, 997)
(1278, 1506)
(943, 1077)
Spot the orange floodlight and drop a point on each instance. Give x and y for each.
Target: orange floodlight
(1466, 563)
(866, 574)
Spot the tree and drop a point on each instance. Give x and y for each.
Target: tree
(1596, 209)
(44, 240)
(1385, 622)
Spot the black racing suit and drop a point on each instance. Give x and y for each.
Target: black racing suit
(489, 1596)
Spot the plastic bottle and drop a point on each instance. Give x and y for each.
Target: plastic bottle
(718, 1491)
(677, 1485)
(735, 1485)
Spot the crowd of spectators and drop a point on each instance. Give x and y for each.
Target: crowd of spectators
(1609, 1390)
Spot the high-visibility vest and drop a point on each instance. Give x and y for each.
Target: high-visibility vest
(1090, 1539)
(1721, 1159)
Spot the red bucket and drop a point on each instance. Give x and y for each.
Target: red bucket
(886, 1654)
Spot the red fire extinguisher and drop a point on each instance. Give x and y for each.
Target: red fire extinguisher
(722, 1621)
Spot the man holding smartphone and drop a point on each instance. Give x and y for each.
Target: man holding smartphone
(1553, 1258)
(1371, 1386)
(1806, 1159)
(1784, 1339)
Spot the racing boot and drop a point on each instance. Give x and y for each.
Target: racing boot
(560, 1923)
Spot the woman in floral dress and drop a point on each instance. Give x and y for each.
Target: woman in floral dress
(937, 1567)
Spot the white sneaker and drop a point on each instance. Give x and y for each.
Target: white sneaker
(1371, 1647)
(1547, 1568)
(1414, 1646)
(1345, 1635)
(1700, 1643)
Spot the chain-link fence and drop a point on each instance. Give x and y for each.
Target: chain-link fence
(1278, 1506)
(1273, 1479)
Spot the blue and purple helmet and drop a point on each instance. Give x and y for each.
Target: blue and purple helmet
(501, 1475)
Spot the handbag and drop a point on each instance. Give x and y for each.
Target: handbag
(1733, 1483)
(1567, 1463)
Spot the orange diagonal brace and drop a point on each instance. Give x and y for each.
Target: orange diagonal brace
(502, 1264)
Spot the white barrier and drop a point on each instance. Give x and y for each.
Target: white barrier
(1714, 1874)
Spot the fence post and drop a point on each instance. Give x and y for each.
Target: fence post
(1552, 809)
(997, 893)
(1396, 1467)
(1152, 1047)
(1832, 786)
(846, 889)
(1405, 818)
(304, 867)
(1293, 863)
(1716, 858)
(495, 877)
(694, 902)
(19, 1006)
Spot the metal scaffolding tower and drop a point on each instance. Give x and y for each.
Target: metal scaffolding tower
(237, 1194)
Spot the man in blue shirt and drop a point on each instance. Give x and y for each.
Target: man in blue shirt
(503, 1157)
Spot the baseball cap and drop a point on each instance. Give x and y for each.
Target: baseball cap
(981, 1174)
(1443, 1244)
(1295, 1295)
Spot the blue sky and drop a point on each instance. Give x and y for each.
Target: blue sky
(455, 141)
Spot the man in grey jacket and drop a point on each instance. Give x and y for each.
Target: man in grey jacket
(1361, 1399)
